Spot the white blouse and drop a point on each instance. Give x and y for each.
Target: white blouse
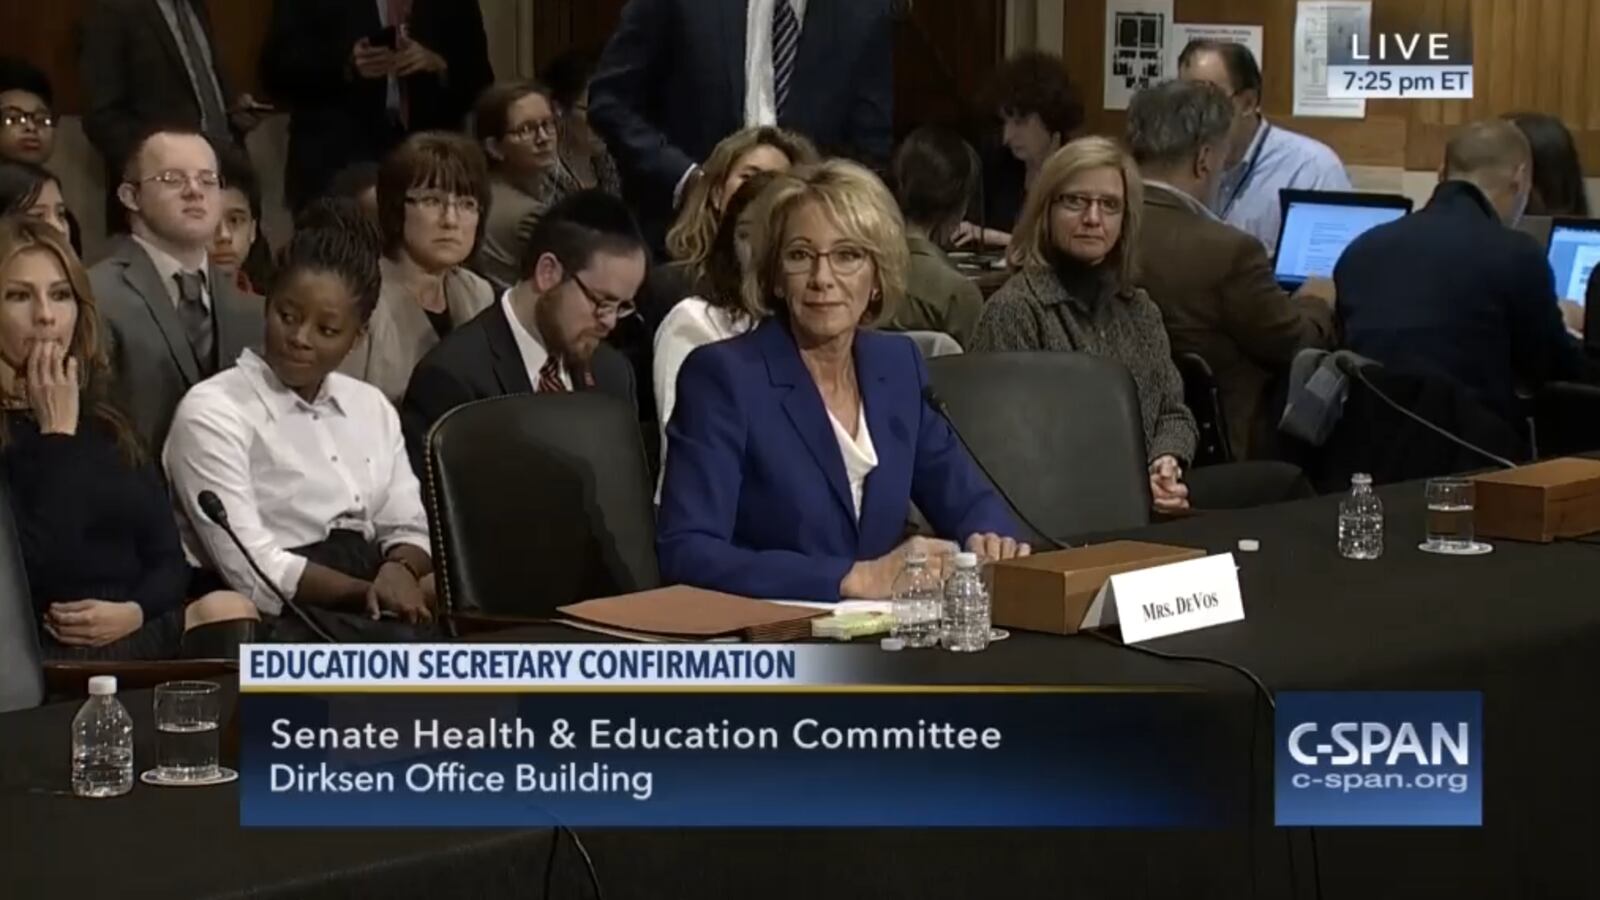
(860, 457)
(288, 472)
(690, 324)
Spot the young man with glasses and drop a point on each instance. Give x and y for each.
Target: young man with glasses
(173, 319)
(27, 117)
(584, 263)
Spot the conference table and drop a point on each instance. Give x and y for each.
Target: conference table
(1521, 624)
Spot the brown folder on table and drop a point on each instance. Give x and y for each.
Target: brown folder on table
(691, 613)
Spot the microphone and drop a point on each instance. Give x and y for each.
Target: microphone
(1352, 364)
(932, 398)
(211, 505)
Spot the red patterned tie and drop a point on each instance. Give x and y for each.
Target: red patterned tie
(550, 378)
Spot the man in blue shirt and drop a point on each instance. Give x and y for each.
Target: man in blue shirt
(1455, 291)
(1263, 158)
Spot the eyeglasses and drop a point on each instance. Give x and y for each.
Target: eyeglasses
(1077, 203)
(527, 130)
(436, 203)
(845, 259)
(604, 307)
(12, 117)
(177, 179)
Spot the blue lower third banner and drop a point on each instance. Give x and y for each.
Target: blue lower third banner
(1379, 758)
(888, 756)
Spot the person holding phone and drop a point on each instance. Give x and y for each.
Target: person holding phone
(360, 76)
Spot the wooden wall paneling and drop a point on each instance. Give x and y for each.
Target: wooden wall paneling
(1575, 78)
(944, 54)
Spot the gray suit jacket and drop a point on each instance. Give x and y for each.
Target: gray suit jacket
(149, 351)
(513, 212)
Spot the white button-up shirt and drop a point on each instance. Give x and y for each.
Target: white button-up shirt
(288, 472)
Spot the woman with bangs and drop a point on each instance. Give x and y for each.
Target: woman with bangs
(815, 414)
(98, 540)
(433, 193)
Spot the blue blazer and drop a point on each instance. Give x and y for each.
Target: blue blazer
(755, 500)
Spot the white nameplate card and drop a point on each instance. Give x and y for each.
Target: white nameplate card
(1171, 599)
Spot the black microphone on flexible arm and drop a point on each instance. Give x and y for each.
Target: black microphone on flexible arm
(211, 505)
(932, 398)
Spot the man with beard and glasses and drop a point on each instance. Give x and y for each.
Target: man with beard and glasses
(584, 262)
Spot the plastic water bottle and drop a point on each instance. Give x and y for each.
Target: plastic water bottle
(917, 597)
(102, 743)
(1361, 521)
(966, 607)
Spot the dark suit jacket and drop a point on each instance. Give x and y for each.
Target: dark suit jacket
(671, 84)
(133, 74)
(1218, 298)
(480, 360)
(1452, 292)
(756, 500)
(150, 352)
(338, 118)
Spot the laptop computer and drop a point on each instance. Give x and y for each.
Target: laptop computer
(1573, 250)
(1319, 225)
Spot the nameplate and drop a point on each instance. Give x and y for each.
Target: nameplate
(1171, 599)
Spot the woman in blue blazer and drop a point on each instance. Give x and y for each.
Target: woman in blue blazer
(798, 448)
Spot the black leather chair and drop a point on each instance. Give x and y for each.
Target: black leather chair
(1200, 394)
(539, 500)
(21, 674)
(1059, 432)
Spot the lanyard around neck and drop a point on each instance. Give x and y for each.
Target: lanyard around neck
(1249, 169)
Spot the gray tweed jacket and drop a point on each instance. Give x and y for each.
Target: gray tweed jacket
(1035, 311)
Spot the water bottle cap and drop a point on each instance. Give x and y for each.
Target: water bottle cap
(966, 560)
(917, 557)
(1361, 478)
(102, 685)
(1249, 545)
(892, 643)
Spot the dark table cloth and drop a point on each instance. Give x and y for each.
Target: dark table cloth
(1521, 624)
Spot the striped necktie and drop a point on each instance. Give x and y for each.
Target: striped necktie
(550, 378)
(785, 41)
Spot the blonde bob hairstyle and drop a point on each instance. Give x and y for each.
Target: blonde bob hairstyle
(695, 230)
(858, 204)
(1032, 244)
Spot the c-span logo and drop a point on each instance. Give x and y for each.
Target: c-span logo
(1379, 758)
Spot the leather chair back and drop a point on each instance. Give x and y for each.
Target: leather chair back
(1059, 432)
(21, 674)
(537, 501)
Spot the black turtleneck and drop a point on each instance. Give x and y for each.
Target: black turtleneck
(1084, 283)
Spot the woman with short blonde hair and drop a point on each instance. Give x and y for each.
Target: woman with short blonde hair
(1077, 291)
(798, 413)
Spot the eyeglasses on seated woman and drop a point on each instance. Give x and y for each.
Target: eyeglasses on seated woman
(798, 448)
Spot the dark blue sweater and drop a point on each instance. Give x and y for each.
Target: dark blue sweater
(91, 526)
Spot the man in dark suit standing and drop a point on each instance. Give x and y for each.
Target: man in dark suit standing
(1455, 291)
(680, 75)
(144, 63)
(584, 263)
(359, 75)
(1213, 282)
(171, 319)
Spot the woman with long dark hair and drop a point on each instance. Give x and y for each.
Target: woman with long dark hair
(99, 544)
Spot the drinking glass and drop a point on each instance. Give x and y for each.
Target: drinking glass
(1449, 527)
(188, 725)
